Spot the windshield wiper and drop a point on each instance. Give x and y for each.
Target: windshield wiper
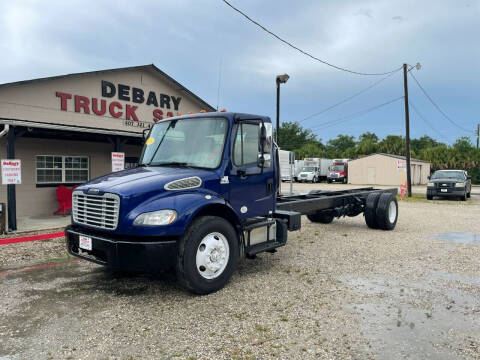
(170, 163)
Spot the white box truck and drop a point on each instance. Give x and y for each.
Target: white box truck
(314, 169)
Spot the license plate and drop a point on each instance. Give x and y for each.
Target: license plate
(85, 242)
(443, 190)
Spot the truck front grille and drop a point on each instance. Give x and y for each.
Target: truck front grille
(100, 211)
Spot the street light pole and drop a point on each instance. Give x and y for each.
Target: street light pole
(281, 79)
(278, 112)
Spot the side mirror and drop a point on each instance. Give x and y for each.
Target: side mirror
(263, 159)
(469, 178)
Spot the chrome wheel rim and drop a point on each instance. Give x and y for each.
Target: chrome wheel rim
(392, 212)
(212, 257)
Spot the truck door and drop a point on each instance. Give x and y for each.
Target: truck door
(252, 190)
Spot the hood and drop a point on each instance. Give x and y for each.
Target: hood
(142, 180)
(446, 180)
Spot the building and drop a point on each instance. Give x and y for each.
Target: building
(386, 169)
(64, 128)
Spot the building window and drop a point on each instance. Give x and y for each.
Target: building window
(56, 169)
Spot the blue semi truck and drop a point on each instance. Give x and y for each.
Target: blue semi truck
(204, 196)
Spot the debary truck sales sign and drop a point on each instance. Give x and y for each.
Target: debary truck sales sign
(163, 105)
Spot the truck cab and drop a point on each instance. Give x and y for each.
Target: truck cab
(309, 173)
(202, 195)
(338, 171)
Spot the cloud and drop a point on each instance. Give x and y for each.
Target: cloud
(189, 39)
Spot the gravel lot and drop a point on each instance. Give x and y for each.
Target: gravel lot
(338, 291)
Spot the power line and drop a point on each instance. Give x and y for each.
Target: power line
(354, 115)
(427, 122)
(303, 51)
(348, 98)
(438, 107)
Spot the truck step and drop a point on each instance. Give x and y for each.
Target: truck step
(269, 246)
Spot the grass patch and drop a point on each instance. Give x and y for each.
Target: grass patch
(419, 198)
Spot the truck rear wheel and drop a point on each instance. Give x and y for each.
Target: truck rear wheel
(387, 211)
(320, 217)
(370, 210)
(207, 255)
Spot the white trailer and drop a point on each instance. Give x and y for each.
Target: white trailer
(299, 165)
(286, 160)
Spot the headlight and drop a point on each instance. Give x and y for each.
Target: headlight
(155, 218)
(431, 184)
(459, 185)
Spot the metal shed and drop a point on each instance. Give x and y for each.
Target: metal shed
(386, 169)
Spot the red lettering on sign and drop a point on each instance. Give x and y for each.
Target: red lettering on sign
(169, 114)
(113, 112)
(157, 115)
(63, 99)
(130, 112)
(103, 108)
(82, 102)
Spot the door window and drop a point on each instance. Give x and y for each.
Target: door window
(246, 145)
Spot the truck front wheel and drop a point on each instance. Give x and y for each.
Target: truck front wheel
(207, 255)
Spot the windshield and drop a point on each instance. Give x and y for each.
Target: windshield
(308, 169)
(196, 142)
(448, 175)
(338, 168)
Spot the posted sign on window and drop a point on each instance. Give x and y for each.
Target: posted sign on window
(118, 161)
(11, 171)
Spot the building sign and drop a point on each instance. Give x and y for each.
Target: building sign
(163, 105)
(118, 161)
(401, 165)
(11, 171)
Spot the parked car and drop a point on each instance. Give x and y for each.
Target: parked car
(449, 183)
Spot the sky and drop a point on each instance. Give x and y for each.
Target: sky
(231, 63)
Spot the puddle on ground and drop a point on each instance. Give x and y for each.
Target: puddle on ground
(459, 237)
(431, 319)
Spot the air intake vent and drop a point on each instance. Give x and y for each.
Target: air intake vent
(186, 183)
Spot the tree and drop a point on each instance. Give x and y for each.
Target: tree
(417, 146)
(367, 144)
(313, 149)
(292, 136)
(340, 146)
(393, 144)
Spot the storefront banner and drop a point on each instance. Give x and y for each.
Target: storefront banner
(118, 161)
(402, 165)
(11, 171)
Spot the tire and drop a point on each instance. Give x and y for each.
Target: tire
(344, 180)
(469, 194)
(329, 181)
(314, 180)
(429, 197)
(387, 211)
(464, 197)
(320, 217)
(203, 232)
(370, 210)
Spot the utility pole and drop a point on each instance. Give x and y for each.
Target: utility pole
(407, 132)
(478, 134)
